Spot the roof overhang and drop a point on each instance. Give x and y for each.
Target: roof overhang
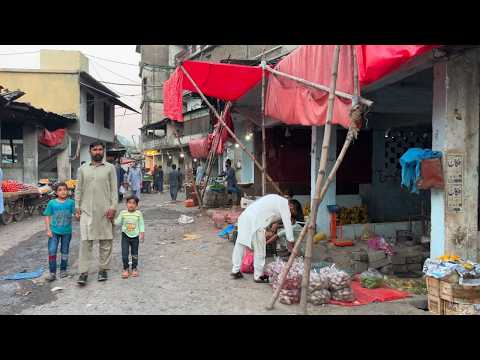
(23, 112)
(94, 85)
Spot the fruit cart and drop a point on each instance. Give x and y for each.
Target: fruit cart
(19, 203)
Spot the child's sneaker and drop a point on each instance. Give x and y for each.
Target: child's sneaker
(51, 277)
(125, 274)
(134, 273)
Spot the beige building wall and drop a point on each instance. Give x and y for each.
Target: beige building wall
(63, 60)
(55, 92)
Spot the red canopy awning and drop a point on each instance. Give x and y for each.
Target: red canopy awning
(377, 61)
(227, 82)
(294, 103)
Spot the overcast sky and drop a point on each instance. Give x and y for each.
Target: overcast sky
(100, 69)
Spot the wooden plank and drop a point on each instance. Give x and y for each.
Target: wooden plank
(460, 294)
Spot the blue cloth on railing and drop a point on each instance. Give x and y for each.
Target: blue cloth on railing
(24, 275)
(410, 162)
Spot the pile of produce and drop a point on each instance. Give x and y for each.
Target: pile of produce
(72, 184)
(353, 215)
(12, 186)
(339, 284)
(290, 293)
(318, 293)
(371, 279)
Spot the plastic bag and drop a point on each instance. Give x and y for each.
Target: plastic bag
(122, 190)
(319, 297)
(289, 297)
(371, 279)
(346, 295)
(294, 276)
(338, 279)
(247, 262)
(318, 281)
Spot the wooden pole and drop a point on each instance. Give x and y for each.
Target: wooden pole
(260, 167)
(264, 150)
(318, 86)
(188, 169)
(213, 149)
(316, 200)
(321, 175)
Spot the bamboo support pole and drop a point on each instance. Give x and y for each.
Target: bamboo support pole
(232, 134)
(315, 201)
(213, 149)
(318, 86)
(321, 175)
(188, 169)
(264, 150)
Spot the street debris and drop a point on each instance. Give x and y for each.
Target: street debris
(24, 275)
(57, 288)
(191, 237)
(184, 219)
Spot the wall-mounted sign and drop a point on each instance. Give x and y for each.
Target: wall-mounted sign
(454, 184)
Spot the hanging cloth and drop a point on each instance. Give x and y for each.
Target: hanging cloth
(410, 162)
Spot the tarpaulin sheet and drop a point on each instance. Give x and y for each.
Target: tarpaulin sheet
(294, 103)
(367, 296)
(227, 82)
(52, 138)
(224, 135)
(199, 148)
(376, 61)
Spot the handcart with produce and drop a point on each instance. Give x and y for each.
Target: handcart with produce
(18, 199)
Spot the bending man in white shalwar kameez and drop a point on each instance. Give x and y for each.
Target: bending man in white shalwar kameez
(251, 231)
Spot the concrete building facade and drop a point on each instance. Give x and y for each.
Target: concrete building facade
(63, 85)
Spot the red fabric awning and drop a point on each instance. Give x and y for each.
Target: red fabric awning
(227, 82)
(294, 103)
(376, 61)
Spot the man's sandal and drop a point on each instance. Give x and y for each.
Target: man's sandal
(262, 279)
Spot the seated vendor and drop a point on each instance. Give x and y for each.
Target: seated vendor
(282, 239)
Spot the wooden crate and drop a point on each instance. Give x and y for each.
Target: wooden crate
(457, 293)
(453, 308)
(435, 305)
(433, 286)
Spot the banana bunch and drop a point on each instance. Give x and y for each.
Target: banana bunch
(449, 258)
(72, 184)
(353, 215)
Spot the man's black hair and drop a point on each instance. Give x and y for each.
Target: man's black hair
(59, 185)
(298, 209)
(132, 197)
(228, 162)
(97, 143)
(174, 166)
(83, 162)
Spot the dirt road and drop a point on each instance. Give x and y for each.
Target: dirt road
(177, 276)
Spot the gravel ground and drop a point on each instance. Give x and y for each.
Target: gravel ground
(177, 276)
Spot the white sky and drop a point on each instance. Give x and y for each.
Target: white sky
(100, 69)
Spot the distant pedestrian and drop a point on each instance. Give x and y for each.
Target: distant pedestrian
(133, 231)
(173, 182)
(120, 176)
(135, 180)
(158, 178)
(96, 200)
(200, 174)
(1, 192)
(58, 221)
